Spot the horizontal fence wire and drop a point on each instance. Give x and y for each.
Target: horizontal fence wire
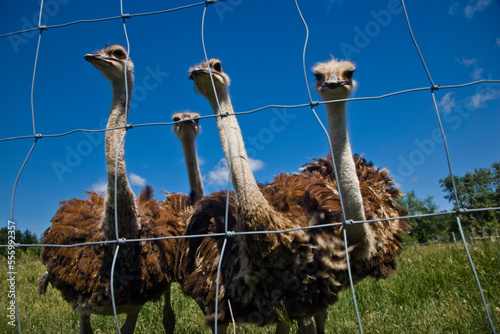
(256, 110)
(227, 234)
(239, 233)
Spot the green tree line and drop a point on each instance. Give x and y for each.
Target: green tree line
(474, 190)
(478, 189)
(26, 238)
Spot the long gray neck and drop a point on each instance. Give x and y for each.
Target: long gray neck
(358, 234)
(346, 169)
(193, 169)
(234, 148)
(254, 212)
(127, 214)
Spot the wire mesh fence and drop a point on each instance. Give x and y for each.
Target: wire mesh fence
(200, 8)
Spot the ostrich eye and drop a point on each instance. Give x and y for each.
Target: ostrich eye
(176, 119)
(119, 54)
(218, 67)
(319, 76)
(348, 74)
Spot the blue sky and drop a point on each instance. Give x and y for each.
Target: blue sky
(260, 44)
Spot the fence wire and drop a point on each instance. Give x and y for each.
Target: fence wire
(227, 234)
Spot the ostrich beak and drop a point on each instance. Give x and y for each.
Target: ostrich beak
(90, 56)
(334, 84)
(197, 71)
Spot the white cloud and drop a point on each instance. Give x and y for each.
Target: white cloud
(498, 41)
(476, 6)
(256, 164)
(201, 161)
(136, 180)
(466, 62)
(220, 173)
(478, 100)
(477, 73)
(447, 103)
(100, 186)
(398, 185)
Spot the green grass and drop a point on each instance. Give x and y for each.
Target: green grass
(433, 292)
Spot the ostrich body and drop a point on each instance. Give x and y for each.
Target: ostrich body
(143, 269)
(378, 243)
(186, 129)
(377, 196)
(298, 272)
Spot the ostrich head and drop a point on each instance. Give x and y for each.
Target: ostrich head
(334, 79)
(200, 74)
(110, 61)
(186, 127)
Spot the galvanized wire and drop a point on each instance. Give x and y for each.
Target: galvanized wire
(457, 202)
(311, 105)
(341, 200)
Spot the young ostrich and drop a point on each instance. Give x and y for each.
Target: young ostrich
(377, 196)
(299, 272)
(143, 270)
(186, 129)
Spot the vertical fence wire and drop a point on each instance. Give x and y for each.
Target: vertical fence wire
(12, 220)
(122, 144)
(229, 167)
(342, 207)
(16, 182)
(447, 153)
(228, 234)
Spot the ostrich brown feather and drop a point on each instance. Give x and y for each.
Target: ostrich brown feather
(379, 201)
(301, 270)
(305, 277)
(82, 273)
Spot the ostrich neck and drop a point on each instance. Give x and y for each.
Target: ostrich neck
(357, 234)
(194, 175)
(254, 212)
(346, 169)
(127, 219)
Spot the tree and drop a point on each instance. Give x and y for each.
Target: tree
(423, 229)
(480, 189)
(26, 238)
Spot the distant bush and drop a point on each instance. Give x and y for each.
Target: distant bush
(26, 238)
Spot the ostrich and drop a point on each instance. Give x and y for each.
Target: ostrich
(299, 272)
(186, 129)
(377, 196)
(143, 269)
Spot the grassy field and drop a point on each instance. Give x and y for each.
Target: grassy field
(433, 292)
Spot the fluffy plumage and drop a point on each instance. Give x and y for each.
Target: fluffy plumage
(143, 270)
(379, 202)
(82, 273)
(300, 272)
(288, 276)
